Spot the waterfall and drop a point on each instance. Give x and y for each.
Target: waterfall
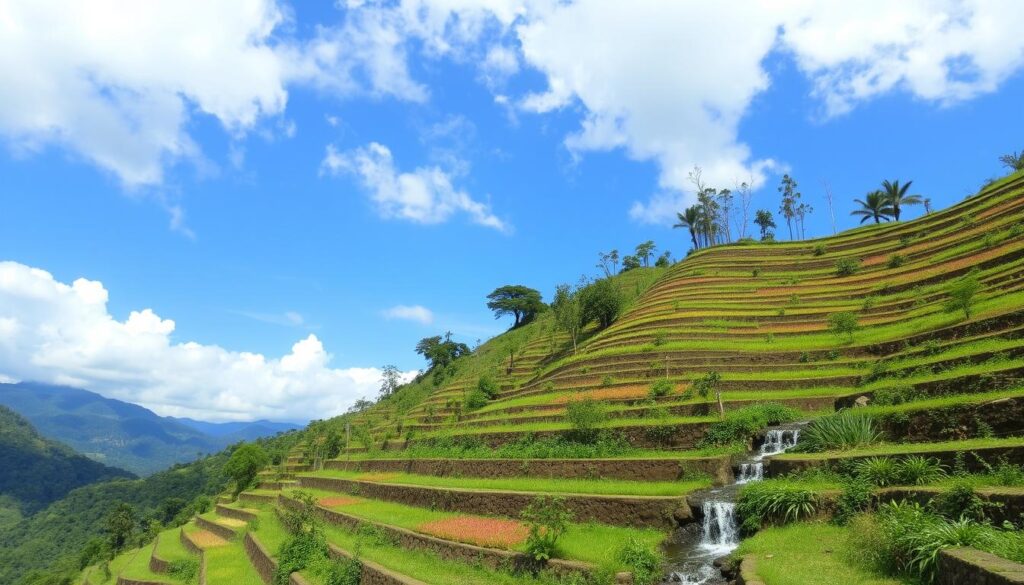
(751, 472)
(778, 440)
(721, 534)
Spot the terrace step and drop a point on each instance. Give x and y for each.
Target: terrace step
(641, 511)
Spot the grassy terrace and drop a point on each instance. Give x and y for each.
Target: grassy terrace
(587, 542)
(483, 452)
(911, 448)
(417, 564)
(803, 553)
(531, 484)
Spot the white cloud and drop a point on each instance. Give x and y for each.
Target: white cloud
(425, 195)
(417, 313)
(117, 82)
(63, 334)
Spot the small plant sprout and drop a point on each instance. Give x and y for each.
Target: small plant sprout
(843, 324)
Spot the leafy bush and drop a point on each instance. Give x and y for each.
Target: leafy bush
(607, 381)
(819, 250)
(547, 518)
(601, 302)
(843, 430)
(962, 292)
(895, 261)
(879, 471)
(243, 465)
(347, 571)
(662, 387)
(475, 398)
(844, 323)
(184, 570)
(643, 561)
(892, 395)
(739, 425)
(774, 502)
(585, 416)
(488, 386)
(847, 266)
(855, 498)
(919, 470)
(959, 501)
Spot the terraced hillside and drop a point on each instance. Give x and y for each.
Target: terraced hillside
(629, 448)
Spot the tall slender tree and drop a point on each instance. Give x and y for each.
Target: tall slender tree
(897, 197)
(874, 206)
(790, 201)
(690, 219)
(764, 220)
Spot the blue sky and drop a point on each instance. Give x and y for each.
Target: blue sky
(284, 202)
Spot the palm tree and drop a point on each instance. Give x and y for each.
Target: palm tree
(690, 219)
(896, 195)
(876, 206)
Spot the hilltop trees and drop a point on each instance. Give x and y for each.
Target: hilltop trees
(896, 196)
(120, 526)
(608, 262)
(243, 465)
(764, 220)
(390, 380)
(690, 219)
(601, 302)
(645, 251)
(875, 205)
(441, 352)
(568, 310)
(522, 302)
(790, 207)
(1014, 161)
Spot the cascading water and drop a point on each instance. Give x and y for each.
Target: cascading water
(719, 533)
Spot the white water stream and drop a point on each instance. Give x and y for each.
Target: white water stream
(719, 533)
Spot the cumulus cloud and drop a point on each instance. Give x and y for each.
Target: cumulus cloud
(425, 195)
(417, 313)
(62, 333)
(117, 82)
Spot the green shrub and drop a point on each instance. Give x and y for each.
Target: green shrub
(475, 398)
(739, 425)
(643, 561)
(347, 571)
(774, 502)
(919, 470)
(184, 570)
(854, 499)
(895, 261)
(819, 250)
(843, 430)
(488, 386)
(844, 323)
(892, 395)
(607, 381)
(662, 387)
(879, 471)
(847, 266)
(962, 292)
(585, 416)
(547, 518)
(959, 501)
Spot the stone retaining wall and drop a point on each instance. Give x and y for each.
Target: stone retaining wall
(218, 529)
(130, 581)
(616, 510)
(1010, 506)
(455, 551)
(682, 436)
(236, 513)
(777, 466)
(719, 468)
(156, 564)
(257, 498)
(188, 544)
(259, 557)
(968, 566)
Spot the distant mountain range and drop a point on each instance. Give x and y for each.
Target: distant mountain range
(121, 434)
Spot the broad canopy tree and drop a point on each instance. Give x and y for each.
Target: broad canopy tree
(441, 351)
(522, 302)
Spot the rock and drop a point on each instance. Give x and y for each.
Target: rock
(683, 514)
(861, 401)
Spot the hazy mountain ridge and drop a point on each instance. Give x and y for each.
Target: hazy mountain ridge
(122, 434)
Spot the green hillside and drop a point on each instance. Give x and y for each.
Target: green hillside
(37, 471)
(887, 362)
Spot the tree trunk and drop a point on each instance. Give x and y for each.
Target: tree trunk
(721, 407)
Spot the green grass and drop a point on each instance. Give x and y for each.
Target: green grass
(899, 448)
(589, 542)
(540, 485)
(425, 451)
(138, 567)
(229, 565)
(808, 554)
(943, 402)
(169, 547)
(95, 573)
